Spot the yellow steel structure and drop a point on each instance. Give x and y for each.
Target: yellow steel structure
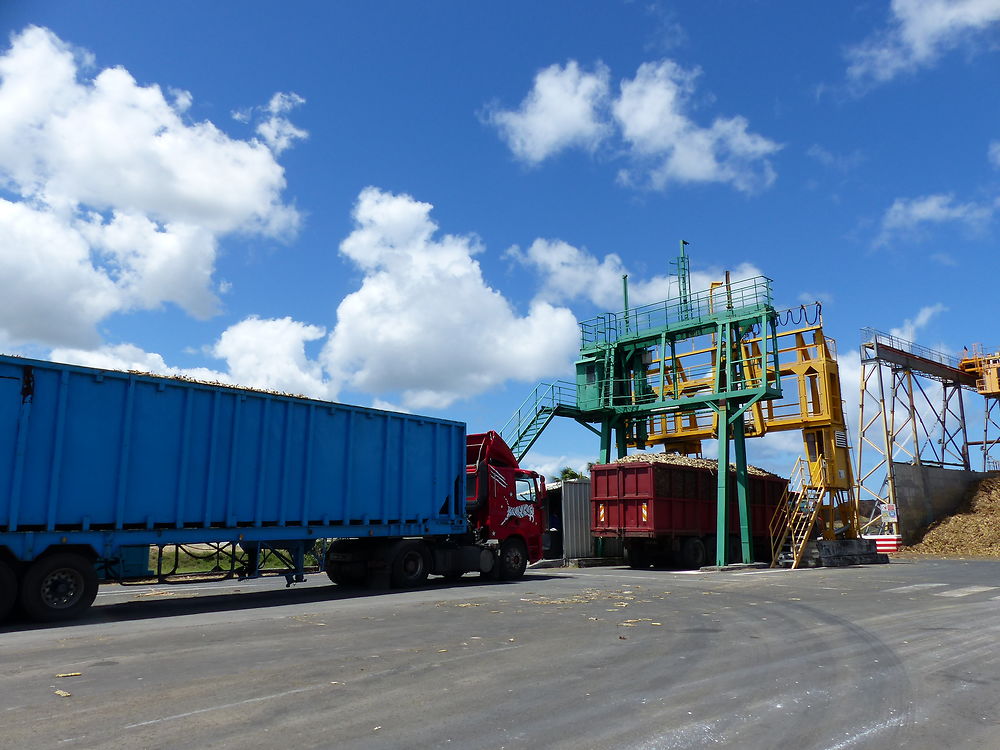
(985, 367)
(811, 402)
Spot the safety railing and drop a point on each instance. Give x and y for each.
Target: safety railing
(735, 298)
(874, 336)
(534, 414)
(795, 516)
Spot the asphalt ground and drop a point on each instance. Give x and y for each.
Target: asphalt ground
(899, 655)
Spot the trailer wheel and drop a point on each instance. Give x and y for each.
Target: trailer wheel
(513, 559)
(410, 564)
(349, 575)
(638, 558)
(693, 553)
(8, 590)
(58, 587)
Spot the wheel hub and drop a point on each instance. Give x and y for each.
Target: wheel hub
(62, 588)
(412, 564)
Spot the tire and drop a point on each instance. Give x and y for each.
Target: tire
(638, 559)
(58, 587)
(349, 574)
(513, 559)
(693, 553)
(8, 590)
(410, 564)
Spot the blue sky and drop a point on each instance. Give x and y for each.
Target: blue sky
(410, 205)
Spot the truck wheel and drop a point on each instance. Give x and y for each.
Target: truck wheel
(693, 553)
(410, 565)
(638, 559)
(8, 590)
(348, 574)
(513, 559)
(58, 587)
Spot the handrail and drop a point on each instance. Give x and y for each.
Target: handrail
(874, 336)
(543, 399)
(738, 297)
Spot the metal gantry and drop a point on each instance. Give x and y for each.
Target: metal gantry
(985, 368)
(714, 364)
(630, 371)
(821, 491)
(911, 409)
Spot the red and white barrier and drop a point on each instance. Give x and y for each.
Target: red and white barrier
(887, 543)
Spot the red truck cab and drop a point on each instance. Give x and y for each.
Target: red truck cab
(504, 502)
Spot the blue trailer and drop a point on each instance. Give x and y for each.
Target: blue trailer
(99, 467)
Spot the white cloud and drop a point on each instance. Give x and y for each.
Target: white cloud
(839, 162)
(49, 288)
(994, 154)
(567, 107)
(258, 353)
(569, 273)
(271, 354)
(550, 466)
(424, 328)
(379, 403)
(912, 326)
(120, 201)
(906, 216)
(277, 131)
(670, 147)
(918, 33)
(562, 109)
(849, 364)
(130, 357)
(425, 322)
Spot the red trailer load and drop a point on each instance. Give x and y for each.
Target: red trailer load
(667, 513)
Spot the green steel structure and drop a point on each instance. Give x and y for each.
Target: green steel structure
(628, 371)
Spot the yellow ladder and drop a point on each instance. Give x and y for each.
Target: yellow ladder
(795, 516)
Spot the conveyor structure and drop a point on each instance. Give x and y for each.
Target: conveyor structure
(711, 363)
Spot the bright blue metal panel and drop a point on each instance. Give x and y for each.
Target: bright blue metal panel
(103, 450)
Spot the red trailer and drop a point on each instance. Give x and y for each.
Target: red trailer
(666, 513)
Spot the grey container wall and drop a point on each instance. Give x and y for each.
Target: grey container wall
(88, 449)
(577, 540)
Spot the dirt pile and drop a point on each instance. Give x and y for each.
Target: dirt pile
(974, 529)
(677, 459)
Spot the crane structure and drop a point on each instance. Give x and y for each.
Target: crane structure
(985, 367)
(629, 372)
(821, 490)
(617, 391)
(722, 364)
(912, 409)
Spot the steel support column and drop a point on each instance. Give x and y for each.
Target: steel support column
(722, 501)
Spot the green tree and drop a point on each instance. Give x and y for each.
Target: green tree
(568, 472)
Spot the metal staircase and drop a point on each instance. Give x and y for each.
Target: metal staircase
(547, 400)
(793, 521)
